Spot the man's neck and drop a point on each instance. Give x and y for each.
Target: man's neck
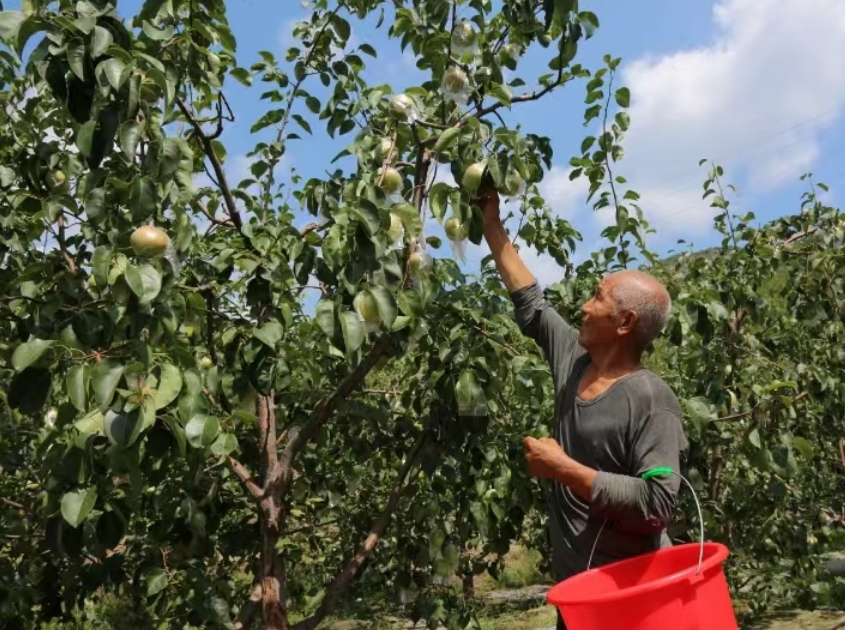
(614, 362)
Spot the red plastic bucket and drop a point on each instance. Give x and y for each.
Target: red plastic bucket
(662, 590)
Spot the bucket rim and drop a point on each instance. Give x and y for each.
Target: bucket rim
(720, 554)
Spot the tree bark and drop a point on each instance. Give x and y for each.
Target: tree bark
(271, 577)
(272, 581)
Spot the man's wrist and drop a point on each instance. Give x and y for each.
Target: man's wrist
(576, 476)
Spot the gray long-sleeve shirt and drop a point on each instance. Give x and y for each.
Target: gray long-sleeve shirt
(633, 427)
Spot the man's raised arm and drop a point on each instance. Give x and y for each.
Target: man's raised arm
(514, 273)
(535, 316)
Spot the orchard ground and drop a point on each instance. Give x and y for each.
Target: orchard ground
(516, 601)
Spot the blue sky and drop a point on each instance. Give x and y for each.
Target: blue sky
(709, 80)
(755, 84)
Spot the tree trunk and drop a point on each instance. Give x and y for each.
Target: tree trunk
(273, 607)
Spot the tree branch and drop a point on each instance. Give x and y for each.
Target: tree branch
(71, 265)
(267, 439)
(202, 208)
(222, 182)
(246, 478)
(298, 437)
(350, 569)
(12, 503)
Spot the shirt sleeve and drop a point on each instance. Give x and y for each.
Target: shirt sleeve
(538, 319)
(645, 506)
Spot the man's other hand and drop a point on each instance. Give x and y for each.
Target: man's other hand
(546, 458)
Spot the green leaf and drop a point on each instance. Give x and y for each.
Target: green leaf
(76, 506)
(446, 139)
(468, 395)
(169, 386)
(367, 50)
(623, 120)
(313, 104)
(589, 22)
(411, 303)
(105, 378)
(270, 333)
(76, 58)
(123, 429)
(134, 98)
(202, 430)
(439, 198)
(130, 134)
(156, 581)
(91, 424)
(325, 317)
(224, 444)
(243, 75)
(145, 282)
(94, 203)
(100, 263)
(502, 93)
(157, 34)
(101, 39)
(7, 176)
(142, 198)
(29, 352)
(76, 383)
(386, 305)
(410, 219)
(353, 331)
(623, 97)
(341, 27)
(178, 433)
(754, 438)
(85, 137)
(302, 122)
(803, 447)
(10, 24)
(368, 215)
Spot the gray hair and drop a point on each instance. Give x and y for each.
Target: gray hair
(646, 296)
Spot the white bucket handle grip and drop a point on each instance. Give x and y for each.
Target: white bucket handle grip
(657, 473)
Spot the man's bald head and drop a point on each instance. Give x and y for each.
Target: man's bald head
(645, 295)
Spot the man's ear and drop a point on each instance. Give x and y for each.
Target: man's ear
(626, 322)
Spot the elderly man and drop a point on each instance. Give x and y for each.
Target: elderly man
(616, 423)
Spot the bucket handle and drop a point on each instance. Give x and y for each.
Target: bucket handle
(662, 472)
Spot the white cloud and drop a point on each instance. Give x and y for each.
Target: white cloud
(757, 100)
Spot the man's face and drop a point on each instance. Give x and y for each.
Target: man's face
(599, 324)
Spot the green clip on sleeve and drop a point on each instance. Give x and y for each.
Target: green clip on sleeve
(658, 472)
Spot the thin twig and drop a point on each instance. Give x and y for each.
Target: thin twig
(12, 503)
(294, 93)
(506, 346)
(607, 165)
(71, 265)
